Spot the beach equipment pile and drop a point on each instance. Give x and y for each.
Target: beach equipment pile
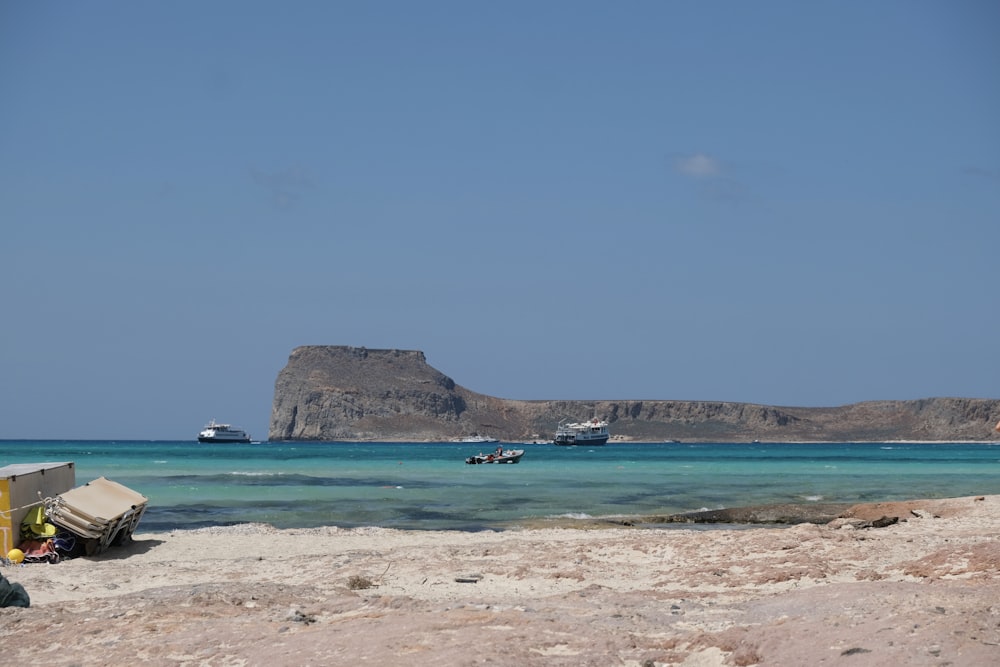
(102, 512)
(45, 517)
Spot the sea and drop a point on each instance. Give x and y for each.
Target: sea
(428, 486)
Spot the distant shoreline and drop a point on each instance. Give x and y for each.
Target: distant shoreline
(337, 392)
(611, 443)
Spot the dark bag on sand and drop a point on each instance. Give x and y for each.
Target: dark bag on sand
(13, 595)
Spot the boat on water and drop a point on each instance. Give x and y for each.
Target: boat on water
(214, 432)
(593, 432)
(477, 439)
(501, 455)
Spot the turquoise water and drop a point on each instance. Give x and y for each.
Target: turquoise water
(429, 486)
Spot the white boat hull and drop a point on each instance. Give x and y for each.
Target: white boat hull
(213, 439)
(222, 433)
(591, 433)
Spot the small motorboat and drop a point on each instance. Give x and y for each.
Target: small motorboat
(501, 455)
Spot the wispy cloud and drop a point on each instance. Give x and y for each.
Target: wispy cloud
(712, 178)
(285, 186)
(980, 172)
(698, 165)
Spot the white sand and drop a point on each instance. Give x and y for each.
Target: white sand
(925, 591)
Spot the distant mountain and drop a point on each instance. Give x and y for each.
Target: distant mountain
(328, 392)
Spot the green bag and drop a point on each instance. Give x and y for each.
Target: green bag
(13, 595)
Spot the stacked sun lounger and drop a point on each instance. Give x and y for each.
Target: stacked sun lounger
(102, 512)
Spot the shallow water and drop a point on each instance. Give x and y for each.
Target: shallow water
(429, 486)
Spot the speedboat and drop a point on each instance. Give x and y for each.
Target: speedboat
(214, 432)
(501, 455)
(593, 432)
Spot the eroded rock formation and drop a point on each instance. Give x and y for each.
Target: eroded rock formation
(328, 392)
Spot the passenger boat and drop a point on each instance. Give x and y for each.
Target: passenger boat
(593, 432)
(477, 438)
(501, 455)
(214, 432)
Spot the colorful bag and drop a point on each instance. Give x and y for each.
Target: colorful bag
(36, 551)
(34, 527)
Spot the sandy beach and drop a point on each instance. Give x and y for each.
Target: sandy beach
(922, 591)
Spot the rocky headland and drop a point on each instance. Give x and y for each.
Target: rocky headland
(341, 393)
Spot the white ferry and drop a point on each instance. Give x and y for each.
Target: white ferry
(214, 432)
(477, 438)
(593, 432)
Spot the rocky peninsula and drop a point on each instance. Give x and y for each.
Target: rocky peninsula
(342, 393)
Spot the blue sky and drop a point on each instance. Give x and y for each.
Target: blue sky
(783, 203)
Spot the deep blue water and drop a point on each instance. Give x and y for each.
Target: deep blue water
(429, 486)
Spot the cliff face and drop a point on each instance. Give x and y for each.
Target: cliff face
(350, 393)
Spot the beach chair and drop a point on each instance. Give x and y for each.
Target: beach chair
(102, 511)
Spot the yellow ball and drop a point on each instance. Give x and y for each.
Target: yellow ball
(15, 556)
